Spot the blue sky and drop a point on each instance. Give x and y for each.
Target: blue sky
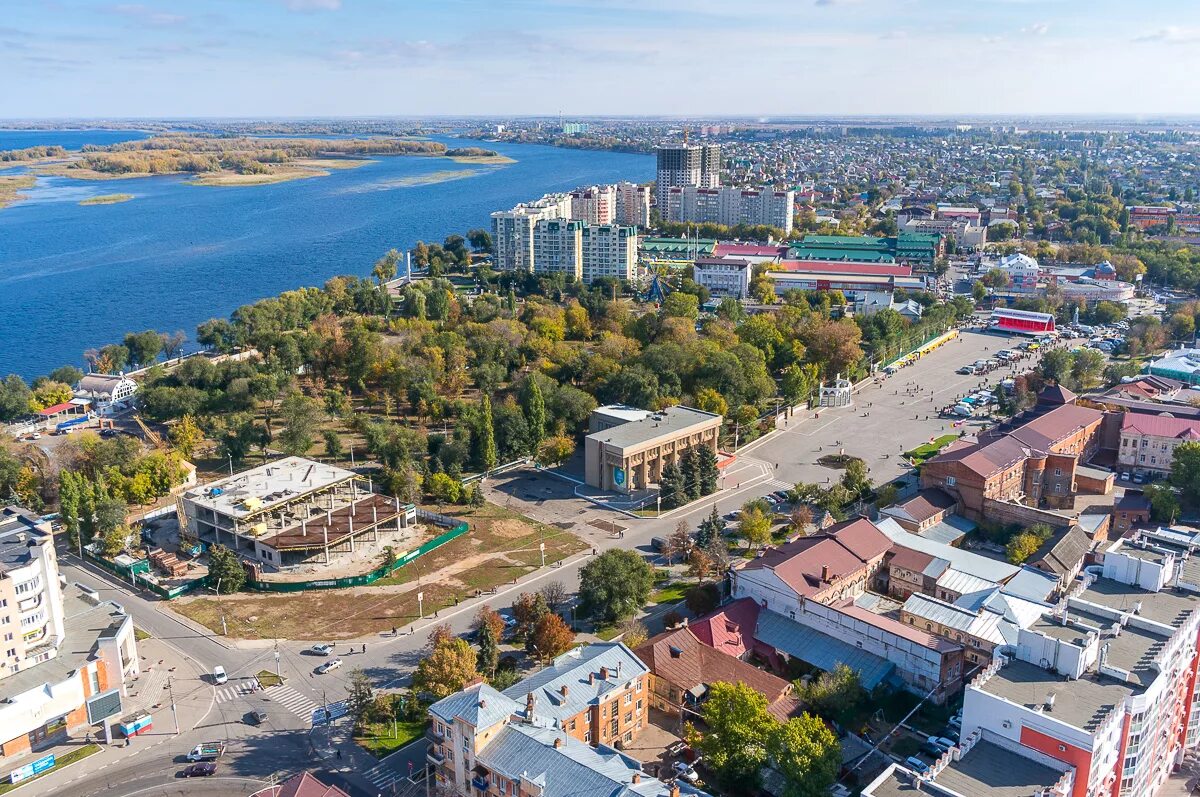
(263, 58)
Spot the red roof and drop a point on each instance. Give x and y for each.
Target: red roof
(810, 564)
(306, 785)
(1161, 426)
(56, 409)
(841, 267)
(730, 630)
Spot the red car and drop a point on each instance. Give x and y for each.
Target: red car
(201, 770)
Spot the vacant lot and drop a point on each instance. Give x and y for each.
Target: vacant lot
(501, 547)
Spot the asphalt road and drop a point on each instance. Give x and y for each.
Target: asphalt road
(283, 744)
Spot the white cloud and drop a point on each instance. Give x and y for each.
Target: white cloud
(1036, 29)
(313, 5)
(1171, 34)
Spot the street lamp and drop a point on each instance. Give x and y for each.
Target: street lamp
(421, 604)
(542, 548)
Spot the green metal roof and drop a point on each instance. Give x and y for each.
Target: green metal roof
(847, 255)
(843, 242)
(680, 245)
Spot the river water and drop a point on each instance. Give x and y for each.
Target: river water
(74, 277)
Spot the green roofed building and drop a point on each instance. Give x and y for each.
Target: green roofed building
(920, 249)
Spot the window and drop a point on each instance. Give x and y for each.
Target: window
(950, 481)
(1058, 471)
(628, 698)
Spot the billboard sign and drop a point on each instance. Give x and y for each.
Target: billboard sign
(103, 706)
(29, 770)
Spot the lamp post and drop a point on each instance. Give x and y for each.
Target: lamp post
(542, 548)
(421, 604)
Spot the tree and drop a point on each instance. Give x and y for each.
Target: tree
(115, 540)
(385, 267)
(489, 649)
(710, 528)
(480, 240)
(14, 398)
(333, 443)
(801, 517)
(700, 564)
(48, 394)
(1185, 472)
(443, 488)
(360, 697)
(535, 415)
(754, 527)
(555, 595)
(805, 751)
(615, 585)
(634, 633)
(225, 572)
(672, 487)
(186, 436)
(735, 743)
(555, 450)
(702, 599)
(172, 345)
(678, 543)
(1056, 365)
(450, 665)
(488, 617)
(836, 696)
(681, 305)
(551, 637)
(1021, 546)
(487, 445)
(143, 347)
(1164, 504)
(301, 418)
(528, 609)
(691, 473)
(854, 478)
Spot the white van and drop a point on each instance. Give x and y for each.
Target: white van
(219, 676)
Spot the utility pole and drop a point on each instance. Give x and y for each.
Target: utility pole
(224, 630)
(174, 713)
(421, 604)
(542, 548)
(277, 675)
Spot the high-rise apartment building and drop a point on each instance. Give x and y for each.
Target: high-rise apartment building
(729, 206)
(609, 250)
(512, 230)
(558, 247)
(595, 204)
(633, 204)
(31, 606)
(687, 165)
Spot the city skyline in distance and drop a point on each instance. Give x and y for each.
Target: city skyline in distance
(666, 58)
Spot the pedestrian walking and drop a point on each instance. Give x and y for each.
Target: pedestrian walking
(339, 754)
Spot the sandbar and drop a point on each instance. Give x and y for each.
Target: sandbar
(107, 199)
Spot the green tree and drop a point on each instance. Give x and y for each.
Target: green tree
(333, 443)
(681, 305)
(301, 418)
(615, 585)
(1185, 472)
(710, 528)
(385, 267)
(755, 527)
(14, 398)
(443, 488)
(1164, 504)
(979, 291)
(186, 436)
(487, 433)
(691, 473)
(706, 461)
(555, 450)
(855, 478)
(1021, 546)
(489, 650)
(738, 730)
(535, 414)
(143, 347)
(672, 486)
(837, 696)
(1056, 365)
(805, 751)
(225, 571)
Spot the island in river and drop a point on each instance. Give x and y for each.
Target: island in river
(222, 161)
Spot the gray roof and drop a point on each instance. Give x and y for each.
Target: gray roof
(84, 624)
(669, 421)
(1063, 552)
(1031, 584)
(994, 771)
(950, 530)
(573, 769)
(18, 527)
(572, 670)
(480, 706)
(1170, 606)
(965, 561)
(820, 650)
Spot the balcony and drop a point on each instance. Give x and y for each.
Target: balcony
(434, 756)
(432, 735)
(480, 782)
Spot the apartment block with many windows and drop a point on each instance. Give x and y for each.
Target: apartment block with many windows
(558, 247)
(609, 250)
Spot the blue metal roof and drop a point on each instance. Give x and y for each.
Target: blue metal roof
(818, 649)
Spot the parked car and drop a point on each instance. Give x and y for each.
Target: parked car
(916, 765)
(218, 674)
(323, 649)
(942, 741)
(199, 770)
(684, 771)
(1124, 475)
(966, 370)
(782, 496)
(932, 749)
(332, 664)
(1139, 478)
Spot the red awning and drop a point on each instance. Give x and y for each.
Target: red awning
(56, 409)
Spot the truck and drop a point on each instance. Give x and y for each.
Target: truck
(207, 751)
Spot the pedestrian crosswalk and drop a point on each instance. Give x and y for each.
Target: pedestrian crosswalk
(292, 700)
(780, 485)
(381, 776)
(235, 691)
(328, 713)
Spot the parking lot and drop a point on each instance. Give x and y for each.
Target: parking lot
(888, 417)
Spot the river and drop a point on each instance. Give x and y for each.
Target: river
(74, 277)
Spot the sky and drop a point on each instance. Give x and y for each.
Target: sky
(697, 58)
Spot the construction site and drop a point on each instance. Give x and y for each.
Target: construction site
(297, 514)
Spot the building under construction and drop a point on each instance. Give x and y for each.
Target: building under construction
(292, 512)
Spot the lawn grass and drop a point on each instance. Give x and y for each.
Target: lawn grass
(378, 740)
(60, 761)
(267, 679)
(607, 633)
(140, 635)
(928, 450)
(672, 593)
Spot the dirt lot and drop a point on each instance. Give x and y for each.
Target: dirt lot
(501, 546)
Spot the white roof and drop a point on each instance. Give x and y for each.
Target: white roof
(1182, 360)
(971, 564)
(258, 489)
